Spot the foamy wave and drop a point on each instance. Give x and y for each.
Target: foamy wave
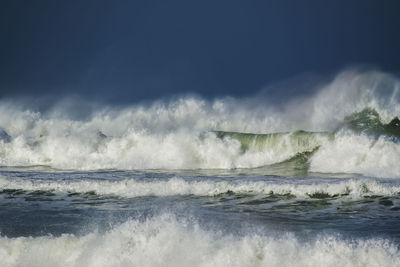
(179, 186)
(164, 241)
(179, 134)
(350, 153)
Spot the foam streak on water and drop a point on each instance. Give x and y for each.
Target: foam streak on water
(205, 187)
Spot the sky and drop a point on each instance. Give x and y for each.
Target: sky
(130, 51)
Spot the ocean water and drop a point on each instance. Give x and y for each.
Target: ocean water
(314, 181)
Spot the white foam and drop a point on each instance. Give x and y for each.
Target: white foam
(175, 134)
(164, 241)
(179, 186)
(350, 153)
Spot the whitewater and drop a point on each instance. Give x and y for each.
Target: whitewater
(309, 180)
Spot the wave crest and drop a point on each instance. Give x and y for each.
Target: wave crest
(193, 133)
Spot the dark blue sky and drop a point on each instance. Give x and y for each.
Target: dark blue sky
(128, 51)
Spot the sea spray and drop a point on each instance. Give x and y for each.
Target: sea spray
(166, 241)
(194, 133)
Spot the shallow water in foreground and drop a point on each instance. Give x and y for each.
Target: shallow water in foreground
(203, 218)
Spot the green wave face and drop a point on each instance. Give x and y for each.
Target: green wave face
(297, 142)
(367, 121)
(294, 150)
(298, 147)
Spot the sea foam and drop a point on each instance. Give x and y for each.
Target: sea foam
(166, 241)
(349, 188)
(180, 133)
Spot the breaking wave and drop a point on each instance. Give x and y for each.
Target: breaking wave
(177, 186)
(165, 241)
(347, 126)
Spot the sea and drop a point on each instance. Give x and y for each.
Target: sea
(313, 180)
